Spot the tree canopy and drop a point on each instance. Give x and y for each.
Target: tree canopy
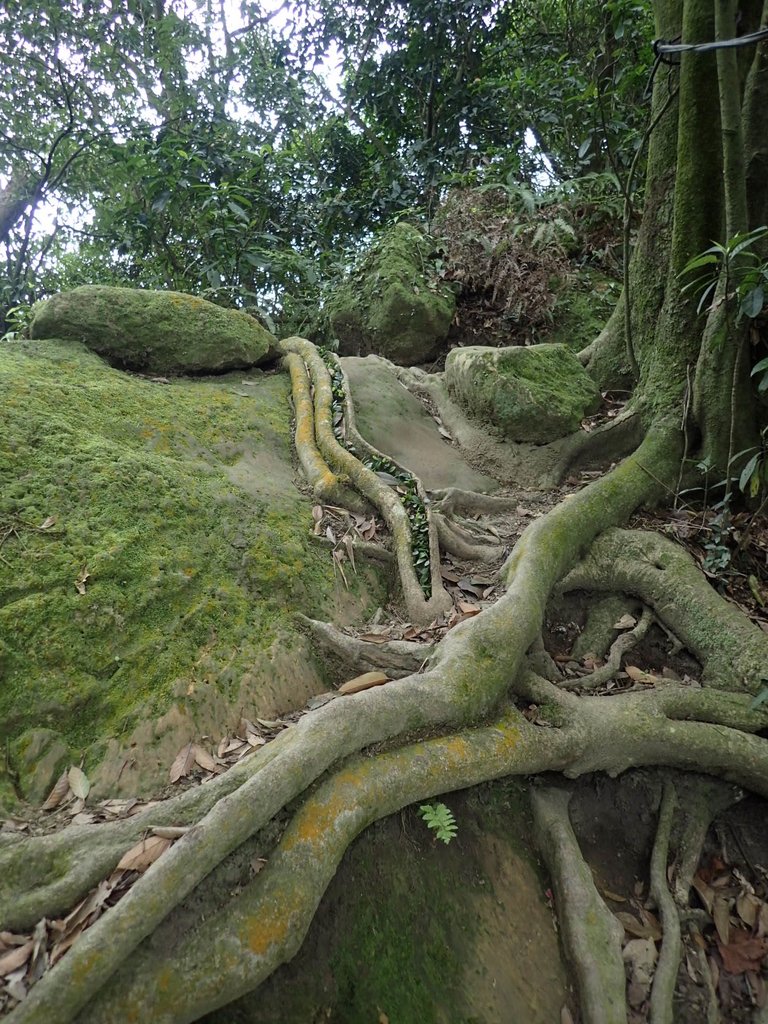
(237, 152)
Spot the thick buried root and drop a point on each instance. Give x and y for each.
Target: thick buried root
(591, 934)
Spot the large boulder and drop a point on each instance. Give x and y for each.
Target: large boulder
(533, 394)
(158, 332)
(158, 554)
(390, 304)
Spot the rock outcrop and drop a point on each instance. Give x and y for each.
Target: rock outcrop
(391, 304)
(537, 393)
(152, 331)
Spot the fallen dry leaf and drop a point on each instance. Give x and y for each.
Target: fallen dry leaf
(625, 622)
(634, 927)
(743, 953)
(170, 831)
(82, 578)
(638, 676)
(182, 763)
(204, 759)
(47, 523)
(466, 608)
(57, 794)
(721, 917)
(15, 958)
(748, 908)
(363, 682)
(705, 891)
(143, 854)
(79, 783)
(375, 638)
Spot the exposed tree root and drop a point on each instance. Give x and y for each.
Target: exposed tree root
(397, 658)
(326, 486)
(470, 672)
(363, 548)
(452, 499)
(605, 444)
(665, 977)
(664, 576)
(464, 544)
(348, 468)
(264, 925)
(621, 646)
(591, 934)
(468, 675)
(700, 801)
(600, 629)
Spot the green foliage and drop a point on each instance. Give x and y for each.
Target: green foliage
(743, 271)
(161, 146)
(17, 319)
(439, 818)
(742, 274)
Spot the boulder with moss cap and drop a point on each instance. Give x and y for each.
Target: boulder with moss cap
(535, 394)
(390, 304)
(153, 331)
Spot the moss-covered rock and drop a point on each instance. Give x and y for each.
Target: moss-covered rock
(534, 394)
(155, 550)
(390, 304)
(159, 332)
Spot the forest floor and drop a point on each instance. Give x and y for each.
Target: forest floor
(412, 930)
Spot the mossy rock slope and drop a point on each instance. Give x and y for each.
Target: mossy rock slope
(155, 549)
(537, 393)
(157, 332)
(391, 304)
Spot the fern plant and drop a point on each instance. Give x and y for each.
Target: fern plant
(441, 819)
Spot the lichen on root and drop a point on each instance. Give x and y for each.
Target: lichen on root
(420, 608)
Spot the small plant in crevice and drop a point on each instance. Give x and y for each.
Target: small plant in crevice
(403, 481)
(18, 320)
(718, 552)
(439, 818)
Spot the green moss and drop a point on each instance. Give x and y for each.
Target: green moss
(391, 304)
(582, 310)
(189, 574)
(162, 332)
(400, 952)
(531, 394)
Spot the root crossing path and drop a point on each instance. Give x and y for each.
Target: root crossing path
(479, 682)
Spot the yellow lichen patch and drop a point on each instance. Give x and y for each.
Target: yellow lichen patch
(272, 921)
(318, 816)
